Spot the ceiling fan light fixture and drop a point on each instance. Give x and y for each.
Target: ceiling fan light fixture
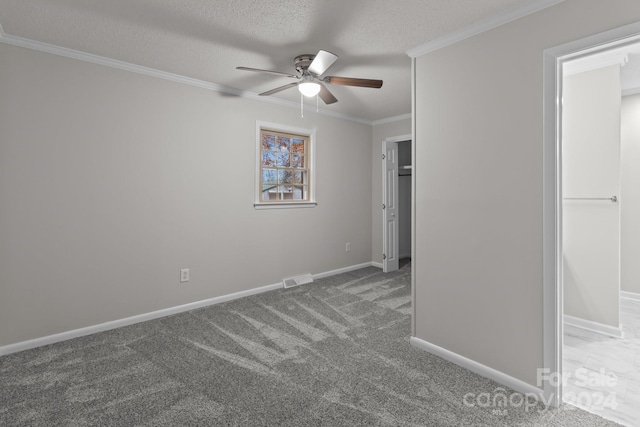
(309, 89)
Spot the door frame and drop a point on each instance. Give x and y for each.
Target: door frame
(392, 140)
(554, 58)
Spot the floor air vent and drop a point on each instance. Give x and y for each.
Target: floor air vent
(297, 281)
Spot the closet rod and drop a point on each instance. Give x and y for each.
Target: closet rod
(612, 199)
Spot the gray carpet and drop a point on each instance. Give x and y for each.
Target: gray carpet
(331, 353)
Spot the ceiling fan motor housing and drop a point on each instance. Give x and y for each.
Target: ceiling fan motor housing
(302, 62)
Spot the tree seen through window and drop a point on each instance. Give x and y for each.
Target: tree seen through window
(284, 170)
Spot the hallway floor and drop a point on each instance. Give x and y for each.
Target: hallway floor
(602, 374)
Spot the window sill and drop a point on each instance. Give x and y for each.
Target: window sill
(285, 205)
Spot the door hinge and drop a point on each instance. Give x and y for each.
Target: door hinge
(384, 206)
(384, 256)
(384, 157)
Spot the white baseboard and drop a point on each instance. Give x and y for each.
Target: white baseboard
(597, 327)
(344, 270)
(630, 295)
(480, 369)
(75, 333)
(63, 336)
(377, 264)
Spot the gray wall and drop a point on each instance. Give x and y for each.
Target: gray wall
(630, 195)
(591, 168)
(479, 140)
(111, 182)
(380, 133)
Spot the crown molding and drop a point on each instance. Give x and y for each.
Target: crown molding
(481, 27)
(126, 66)
(391, 119)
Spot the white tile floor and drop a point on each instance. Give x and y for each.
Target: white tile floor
(602, 373)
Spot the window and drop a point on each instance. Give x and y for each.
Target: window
(284, 172)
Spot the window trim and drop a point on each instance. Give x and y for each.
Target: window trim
(275, 127)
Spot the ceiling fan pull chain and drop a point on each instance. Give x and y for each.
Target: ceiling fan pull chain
(317, 108)
(301, 106)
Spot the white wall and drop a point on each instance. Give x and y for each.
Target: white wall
(380, 133)
(630, 194)
(111, 182)
(478, 165)
(591, 168)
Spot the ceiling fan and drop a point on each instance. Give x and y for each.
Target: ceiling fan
(310, 69)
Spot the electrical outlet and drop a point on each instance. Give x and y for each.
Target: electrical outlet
(184, 275)
(347, 247)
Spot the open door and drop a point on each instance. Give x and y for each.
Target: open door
(390, 242)
(591, 117)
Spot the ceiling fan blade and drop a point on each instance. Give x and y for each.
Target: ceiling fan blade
(279, 89)
(277, 73)
(350, 81)
(322, 62)
(326, 96)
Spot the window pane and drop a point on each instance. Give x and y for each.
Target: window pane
(268, 159)
(297, 145)
(284, 144)
(283, 168)
(269, 142)
(283, 160)
(300, 177)
(269, 192)
(287, 192)
(297, 161)
(300, 192)
(269, 176)
(285, 176)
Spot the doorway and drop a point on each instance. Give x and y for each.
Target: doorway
(573, 211)
(396, 202)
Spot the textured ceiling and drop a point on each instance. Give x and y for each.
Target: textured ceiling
(206, 39)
